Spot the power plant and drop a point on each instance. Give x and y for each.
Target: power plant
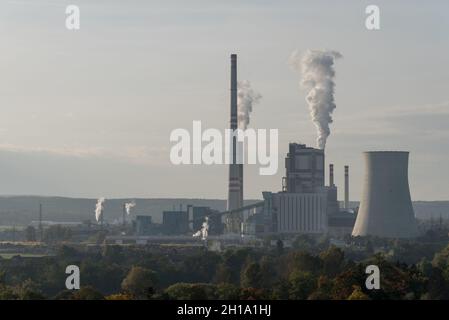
(305, 204)
(386, 207)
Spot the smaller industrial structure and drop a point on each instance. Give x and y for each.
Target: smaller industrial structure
(175, 222)
(198, 216)
(143, 225)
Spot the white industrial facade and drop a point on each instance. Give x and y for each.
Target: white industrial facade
(300, 212)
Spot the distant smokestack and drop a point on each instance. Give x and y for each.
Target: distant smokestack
(331, 175)
(204, 231)
(127, 206)
(99, 210)
(41, 230)
(124, 214)
(346, 204)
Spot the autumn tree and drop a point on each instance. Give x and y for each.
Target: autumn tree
(140, 282)
(251, 276)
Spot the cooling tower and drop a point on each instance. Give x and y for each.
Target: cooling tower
(386, 207)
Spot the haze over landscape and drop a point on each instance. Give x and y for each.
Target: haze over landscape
(122, 175)
(72, 125)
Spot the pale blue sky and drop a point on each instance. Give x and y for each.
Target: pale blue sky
(89, 113)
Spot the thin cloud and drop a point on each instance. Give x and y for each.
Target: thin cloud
(133, 154)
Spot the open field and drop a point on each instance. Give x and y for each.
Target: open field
(23, 255)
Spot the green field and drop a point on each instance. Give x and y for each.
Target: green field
(11, 228)
(23, 255)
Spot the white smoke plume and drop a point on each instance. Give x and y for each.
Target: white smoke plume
(246, 98)
(317, 77)
(204, 232)
(129, 206)
(99, 208)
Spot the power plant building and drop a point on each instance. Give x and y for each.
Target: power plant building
(305, 202)
(304, 169)
(300, 212)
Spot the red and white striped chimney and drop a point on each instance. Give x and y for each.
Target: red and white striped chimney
(235, 191)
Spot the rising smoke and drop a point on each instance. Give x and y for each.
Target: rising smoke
(129, 206)
(99, 209)
(317, 77)
(246, 98)
(204, 232)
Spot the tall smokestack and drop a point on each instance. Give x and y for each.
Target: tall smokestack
(346, 204)
(331, 175)
(235, 191)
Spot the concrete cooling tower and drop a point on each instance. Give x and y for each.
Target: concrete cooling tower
(386, 207)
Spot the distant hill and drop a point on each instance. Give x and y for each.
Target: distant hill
(425, 209)
(21, 210)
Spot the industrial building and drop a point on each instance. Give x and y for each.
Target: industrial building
(143, 225)
(175, 222)
(386, 207)
(199, 215)
(304, 169)
(305, 205)
(341, 223)
(300, 212)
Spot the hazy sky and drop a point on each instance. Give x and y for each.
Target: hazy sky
(89, 113)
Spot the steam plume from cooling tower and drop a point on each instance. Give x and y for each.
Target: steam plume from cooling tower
(204, 232)
(317, 77)
(129, 206)
(99, 208)
(246, 98)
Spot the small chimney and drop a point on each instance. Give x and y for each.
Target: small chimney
(124, 214)
(331, 175)
(41, 229)
(346, 204)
